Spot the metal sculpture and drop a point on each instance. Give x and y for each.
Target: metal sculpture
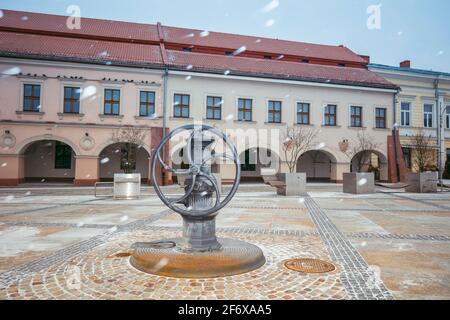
(199, 253)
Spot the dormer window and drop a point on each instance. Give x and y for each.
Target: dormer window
(187, 49)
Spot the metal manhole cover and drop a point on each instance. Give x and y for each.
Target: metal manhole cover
(309, 265)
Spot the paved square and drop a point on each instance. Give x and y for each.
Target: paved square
(63, 243)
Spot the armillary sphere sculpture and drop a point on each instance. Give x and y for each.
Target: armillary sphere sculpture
(198, 253)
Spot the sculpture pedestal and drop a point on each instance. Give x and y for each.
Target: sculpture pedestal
(166, 258)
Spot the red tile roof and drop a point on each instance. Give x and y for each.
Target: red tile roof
(93, 50)
(89, 27)
(122, 43)
(277, 69)
(274, 46)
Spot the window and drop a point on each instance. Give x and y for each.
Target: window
(356, 116)
(268, 57)
(187, 49)
(380, 118)
(274, 115)
(405, 114)
(407, 157)
(112, 102)
(305, 60)
(303, 113)
(427, 115)
(146, 103)
(228, 53)
(63, 156)
(32, 97)
(248, 163)
(330, 115)
(245, 109)
(181, 106)
(72, 100)
(447, 117)
(214, 108)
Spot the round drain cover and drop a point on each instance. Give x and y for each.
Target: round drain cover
(307, 265)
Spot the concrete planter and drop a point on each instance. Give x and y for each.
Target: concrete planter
(424, 182)
(359, 182)
(127, 186)
(295, 184)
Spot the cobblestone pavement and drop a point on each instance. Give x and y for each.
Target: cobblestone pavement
(384, 246)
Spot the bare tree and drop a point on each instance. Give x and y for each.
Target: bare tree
(360, 150)
(297, 141)
(423, 151)
(131, 138)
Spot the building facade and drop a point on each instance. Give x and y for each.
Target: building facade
(64, 93)
(422, 107)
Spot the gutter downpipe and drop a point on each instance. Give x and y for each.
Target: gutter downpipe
(166, 76)
(394, 134)
(397, 165)
(439, 131)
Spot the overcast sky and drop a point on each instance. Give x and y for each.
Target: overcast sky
(418, 30)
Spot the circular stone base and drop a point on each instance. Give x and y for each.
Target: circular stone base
(235, 257)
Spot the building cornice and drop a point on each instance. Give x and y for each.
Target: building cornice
(282, 81)
(71, 124)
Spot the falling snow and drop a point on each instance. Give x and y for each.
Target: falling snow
(239, 50)
(88, 92)
(104, 160)
(362, 181)
(270, 23)
(270, 6)
(11, 71)
(204, 34)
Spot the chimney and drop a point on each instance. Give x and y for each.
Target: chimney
(405, 64)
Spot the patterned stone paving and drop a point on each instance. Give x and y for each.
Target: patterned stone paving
(360, 281)
(98, 267)
(104, 273)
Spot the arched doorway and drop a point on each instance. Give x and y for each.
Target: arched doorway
(117, 156)
(49, 161)
(317, 164)
(370, 161)
(257, 162)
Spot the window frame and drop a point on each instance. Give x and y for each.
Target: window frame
(428, 116)
(112, 101)
(182, 106)
(377, 118)
(245, 109)
(147, 103)
(302, 114)
(24, 98)
(406, 112)
(274, 112)
(447, 116)
(355, 117)
(214, 107)
(330, 115)
(72, 100)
